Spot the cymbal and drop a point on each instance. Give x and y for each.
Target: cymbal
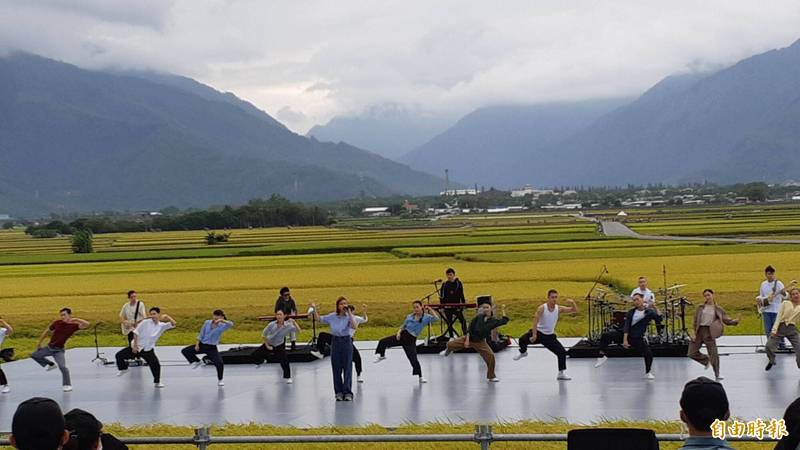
(676, 286)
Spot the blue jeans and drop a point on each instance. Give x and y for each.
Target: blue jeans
(769, 322)
(342, 364)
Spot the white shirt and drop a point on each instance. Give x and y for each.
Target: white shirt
(547, 322)
(637, 316)
(3, 333)
(148, 332)
(766, 291)
(128, 311)
(647, 295)
(358, 320)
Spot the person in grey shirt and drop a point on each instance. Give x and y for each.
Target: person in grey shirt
(274, 342)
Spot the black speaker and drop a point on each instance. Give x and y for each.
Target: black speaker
(239, 355)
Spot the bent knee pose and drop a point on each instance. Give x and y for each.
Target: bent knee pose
(785, 326)
(145, 337)
(633, 334)
(480, 330)
(5, 331)
(274, 342)
(406, 337)
(709, 324)
(60, 331)
(341, 322)
(544, 322)
(207, 341)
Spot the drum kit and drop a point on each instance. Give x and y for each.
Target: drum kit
(608, 308)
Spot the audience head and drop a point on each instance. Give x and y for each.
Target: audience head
(792, 419)
(38, 424)
(84, 430)
(702, 402)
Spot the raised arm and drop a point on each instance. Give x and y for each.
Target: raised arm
(169, 319)
(366, 318)
(82, 324)
(571, 309)
(9, 330)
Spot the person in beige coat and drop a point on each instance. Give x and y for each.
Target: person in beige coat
(709, 324)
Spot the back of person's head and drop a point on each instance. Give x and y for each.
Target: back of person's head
(702, 402)
(38, 424)
(84, 430)
(792, 420)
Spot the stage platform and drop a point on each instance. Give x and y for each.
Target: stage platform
(457, 390)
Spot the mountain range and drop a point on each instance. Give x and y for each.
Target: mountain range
(75, 139)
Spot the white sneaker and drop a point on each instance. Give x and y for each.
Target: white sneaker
(122, 372)
(601, 360)
(378, 358)
(50, 367)
(422, 380)
(220, 383)
(289, 381)
(649, 376)
(67, 388)
(563, 376)
(360, 379)
(196, 364)
(519, 356)
(316, 354)
(6, 389)
(445, 352)
(494, 380)
(159, 385)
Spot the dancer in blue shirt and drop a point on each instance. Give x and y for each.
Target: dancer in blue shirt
(407, 337)
(207, 342)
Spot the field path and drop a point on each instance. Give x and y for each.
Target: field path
(617, 229)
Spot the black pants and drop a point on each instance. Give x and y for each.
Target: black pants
(3, 379)
(149, 356)
(279, 351)
(409, 344)
(451, 315)
(130, 338)
(609, 337)
(639, 344)
(324, 339)
(550, 342)
(211, 350)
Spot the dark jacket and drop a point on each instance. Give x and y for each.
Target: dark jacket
(717, 327)
(637, 330)
(481, 328)
(452, 292)
(287, 306)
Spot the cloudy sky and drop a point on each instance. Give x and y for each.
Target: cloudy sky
(307, 61)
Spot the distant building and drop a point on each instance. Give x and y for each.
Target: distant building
(454, 192)
(410, 207)
(376, 211)
(5, 217)
(523, 191)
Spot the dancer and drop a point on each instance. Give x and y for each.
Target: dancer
(132, 312)
(406, 337)
(636, 321)
(785, 326)
(452, 291)
(5, 331)
(207, 342)
(544, 322)
(356, 354)
(770, 295)
(60, 330)
(340, 322)
(648, 295)
(287, 304)
(709, 324)
(480, 330)
(274, 342)
(145, 337)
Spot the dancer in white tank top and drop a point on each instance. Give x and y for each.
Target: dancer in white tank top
(544, 322)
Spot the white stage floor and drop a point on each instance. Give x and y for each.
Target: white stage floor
(457, 389)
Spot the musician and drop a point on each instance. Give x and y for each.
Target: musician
(709, 324)
(406, 337)
(340, 321)
(207, 342)
(771, 294)
(544, 322)
(286, 303)
(274, 342)
(785, 326)
(452, 291)
(648, 295)
(480, 330)
(633, 334)
(132, 312)
(145, 337)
